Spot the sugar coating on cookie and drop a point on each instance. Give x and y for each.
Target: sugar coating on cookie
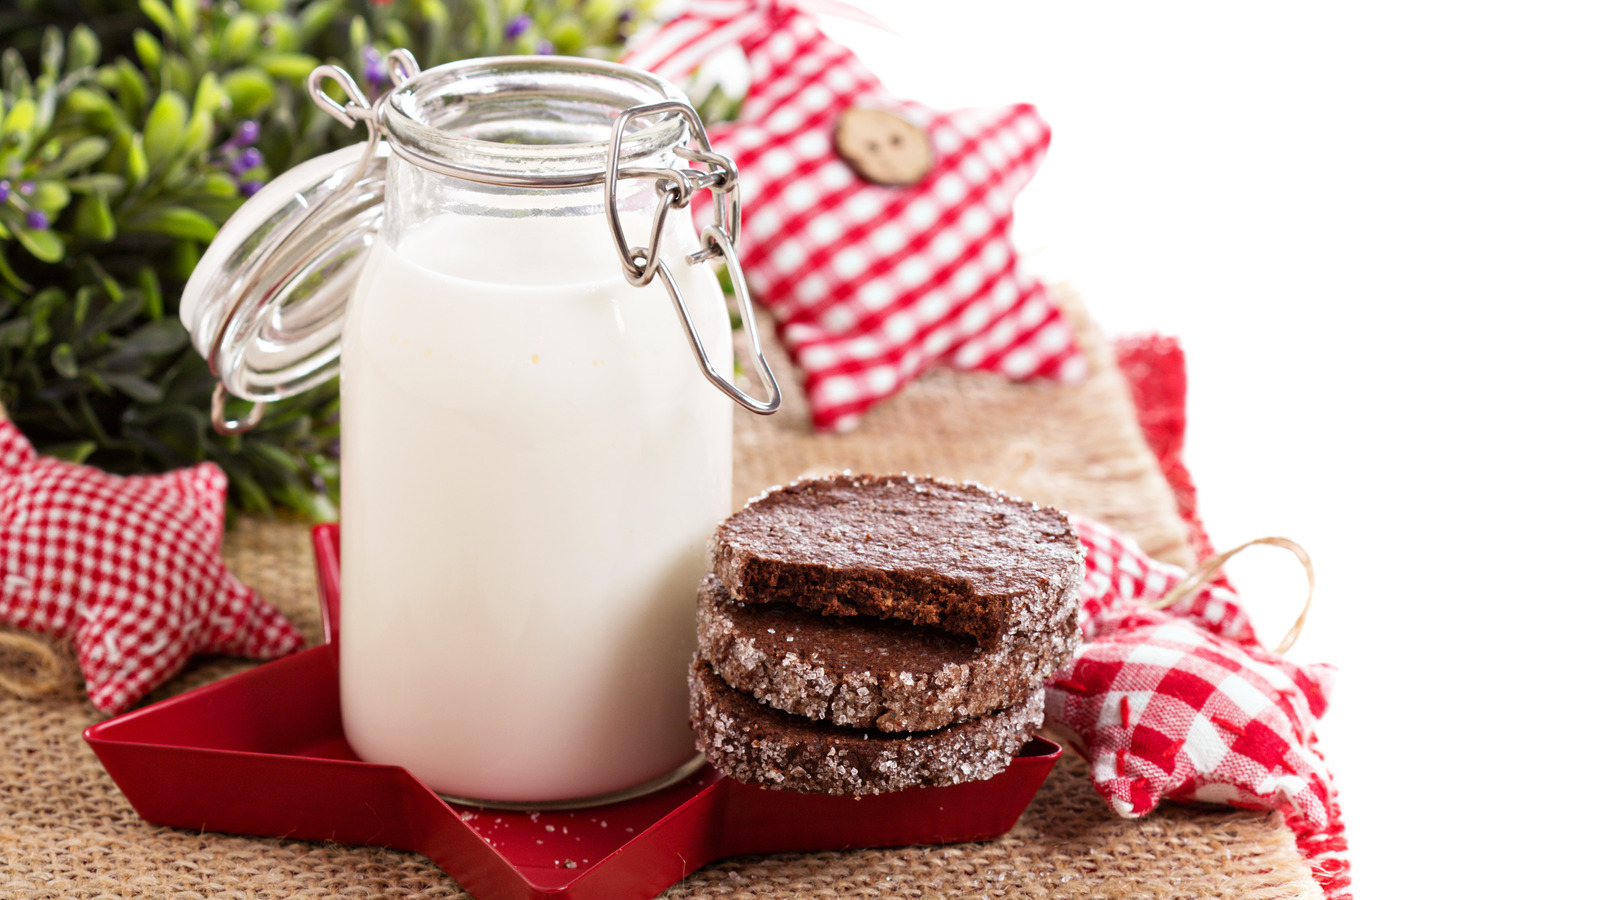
(960, 557)
(868, 672)
(756, 744)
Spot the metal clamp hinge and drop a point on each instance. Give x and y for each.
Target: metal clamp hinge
(675, 188)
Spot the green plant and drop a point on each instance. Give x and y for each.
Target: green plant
(116, 172)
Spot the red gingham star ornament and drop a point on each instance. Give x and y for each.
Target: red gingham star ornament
(1184, 703)
(872, 282)
(129, 568)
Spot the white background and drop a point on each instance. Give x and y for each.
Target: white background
(1374, 226)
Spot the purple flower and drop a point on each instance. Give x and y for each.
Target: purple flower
(518, 26)
(5, 190)
(248, 132)
(245, 161)
(545, 48)
(249, 188)
(25, 189)
(37, 220)
(372, 67)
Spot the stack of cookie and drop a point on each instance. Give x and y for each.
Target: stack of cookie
(862, 634)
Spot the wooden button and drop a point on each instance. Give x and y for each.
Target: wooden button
(882, 147)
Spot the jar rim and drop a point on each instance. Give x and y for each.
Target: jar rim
(535, 121)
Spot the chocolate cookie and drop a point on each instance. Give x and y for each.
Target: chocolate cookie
(867, 672)
(959, 557)
(760, 745)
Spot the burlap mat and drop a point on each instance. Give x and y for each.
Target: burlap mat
(66, 831)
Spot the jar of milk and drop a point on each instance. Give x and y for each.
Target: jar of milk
(505, 276)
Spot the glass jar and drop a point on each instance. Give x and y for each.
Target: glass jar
(531, 462)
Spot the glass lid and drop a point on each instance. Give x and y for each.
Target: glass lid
(266, 303)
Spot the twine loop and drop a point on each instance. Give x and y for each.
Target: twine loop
(1206, 571)
(29, 667)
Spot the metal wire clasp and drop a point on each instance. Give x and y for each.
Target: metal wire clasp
(675, 187)
(356, 109)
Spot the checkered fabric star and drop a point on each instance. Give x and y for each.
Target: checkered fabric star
(1184, 703)
(129, 568)
(878, 255)
(1117, 572)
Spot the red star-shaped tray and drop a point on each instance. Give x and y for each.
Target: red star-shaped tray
(263, 752)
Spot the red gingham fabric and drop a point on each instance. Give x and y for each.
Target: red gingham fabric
(130, 568)
(1116, 572)
(1154, 368)
(872, 284)
(1184, 703)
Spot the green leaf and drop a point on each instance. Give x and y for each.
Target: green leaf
(150, 291)
(14, 72)
(93, 219)
(7, 274)
(19, 120)
(396, 34)
(163, 129)
(360, 34)
(241, 36)
(64, 361)
(43, 243)
(134, 386)
(74, 452)
(185, 256)
(249, 91)
(112, 288)
(51, 196)
(281, 34)
(155, 338)
(288, 66)
(187, 14)
(174, 221)
(98, 183)
(138, 163)
(52, 51)
(251, 497)
(160, 14)
(568, 35)
(215, 184)
(83, 48)
(81, 153)
(45, 304)
(15, 333)
(95, 107)
(177, 74)
(133, 89)
(208, 96)
(317, 16)
(80, 305)
(123, 309)
(274, 457)
(197, 135)
(148, 48)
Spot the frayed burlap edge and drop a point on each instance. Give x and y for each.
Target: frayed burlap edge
(65, 830)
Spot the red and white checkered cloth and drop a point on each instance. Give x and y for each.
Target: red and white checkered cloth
(130, 568)
(872, 284)
(1184, 703)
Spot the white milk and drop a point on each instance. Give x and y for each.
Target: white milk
(532, 465)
